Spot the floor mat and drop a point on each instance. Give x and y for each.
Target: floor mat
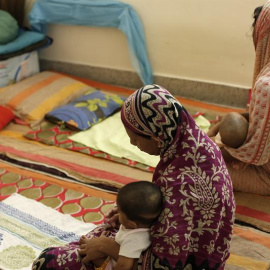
(84, 168)
(83, 203)
(26, 229)
(250, 250)
(250, 247)
(53, 134)
(253, 210)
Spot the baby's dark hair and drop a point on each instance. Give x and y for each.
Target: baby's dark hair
(140, 201)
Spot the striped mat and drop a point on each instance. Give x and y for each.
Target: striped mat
(253, 210)
(250, 247)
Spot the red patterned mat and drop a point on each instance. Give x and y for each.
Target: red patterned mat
(89, 207)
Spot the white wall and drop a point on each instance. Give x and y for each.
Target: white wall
(204, 40)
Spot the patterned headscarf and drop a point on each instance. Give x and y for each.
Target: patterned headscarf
(256, 149)
(195, 226)
(153, 111)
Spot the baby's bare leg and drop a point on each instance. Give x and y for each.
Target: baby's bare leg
(135, 265)
(99, 262)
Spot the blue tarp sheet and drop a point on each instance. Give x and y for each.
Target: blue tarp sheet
(103, 13)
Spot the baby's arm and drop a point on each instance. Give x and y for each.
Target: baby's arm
(124, 263)
(213, 131)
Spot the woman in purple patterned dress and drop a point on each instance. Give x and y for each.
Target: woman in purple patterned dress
(195, 227)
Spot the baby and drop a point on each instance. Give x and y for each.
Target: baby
(233, 130)
(139, 205)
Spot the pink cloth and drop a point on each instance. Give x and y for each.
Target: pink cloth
(256, 149)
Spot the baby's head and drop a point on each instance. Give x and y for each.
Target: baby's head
(139, 204)
(233, 129)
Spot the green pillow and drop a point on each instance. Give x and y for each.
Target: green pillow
(8, 28)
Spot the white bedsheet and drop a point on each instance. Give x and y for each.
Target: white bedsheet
(27, 227)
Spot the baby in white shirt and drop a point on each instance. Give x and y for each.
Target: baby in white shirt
(139, 205)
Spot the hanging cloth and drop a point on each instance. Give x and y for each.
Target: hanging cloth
(103, 13)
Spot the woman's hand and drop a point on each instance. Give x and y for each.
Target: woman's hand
(112, 218)
(89, 249)
(96, 248)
